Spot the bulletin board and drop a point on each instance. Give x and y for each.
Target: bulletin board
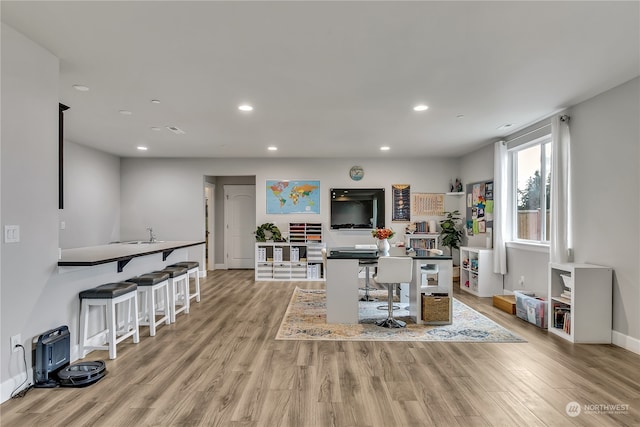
(479, 207)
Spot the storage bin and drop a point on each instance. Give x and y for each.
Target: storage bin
(531, 309)
(435, 309)
(505, 303)
(282, 271)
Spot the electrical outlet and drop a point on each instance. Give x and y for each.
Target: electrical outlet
(15, 342)
(521, 282)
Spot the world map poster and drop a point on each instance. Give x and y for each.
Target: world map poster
(289, 197)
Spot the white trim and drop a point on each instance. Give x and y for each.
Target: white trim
(625, 341)
(7, 386)
(529, 246)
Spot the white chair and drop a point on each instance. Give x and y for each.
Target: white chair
(391, 272)
(108, 297)
(192, 270)
(178, 291)
(153, 300)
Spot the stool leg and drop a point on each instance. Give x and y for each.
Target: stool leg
(84, 325)
(111, 333)
(186, 294)
(165, 299)
(172, 300)
(390, 322)
(197, 286)
(151, 308)
(134, 315)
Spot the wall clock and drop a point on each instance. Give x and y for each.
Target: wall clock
(356, 173)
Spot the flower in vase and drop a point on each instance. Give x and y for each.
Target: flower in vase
(383, 233)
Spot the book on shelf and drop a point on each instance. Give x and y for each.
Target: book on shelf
(295, 254)
(261, 254)
(562, 319)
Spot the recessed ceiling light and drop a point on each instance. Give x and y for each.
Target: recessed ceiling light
(385, 148)
(155, 101)
(272, 148)
(81, 88)
(156, 128)
(125, 112)
(505, 126)
(460, 116)
(245, 107)
(420, 107)
(142, 148)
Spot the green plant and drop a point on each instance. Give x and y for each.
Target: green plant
(268, 231)
(451, 233)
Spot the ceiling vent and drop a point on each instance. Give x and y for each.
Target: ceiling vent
(176, 130)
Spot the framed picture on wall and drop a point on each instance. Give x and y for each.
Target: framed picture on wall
(292, 196)
(401, 194)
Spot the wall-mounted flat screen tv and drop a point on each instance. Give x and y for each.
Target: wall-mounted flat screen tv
(357, 208)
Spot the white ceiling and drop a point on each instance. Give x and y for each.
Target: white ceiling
(326, 79)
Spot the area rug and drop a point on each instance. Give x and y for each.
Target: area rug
(305, 319)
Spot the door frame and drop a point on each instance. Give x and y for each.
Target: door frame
(209, 200)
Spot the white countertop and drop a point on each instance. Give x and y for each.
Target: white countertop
(95, 255)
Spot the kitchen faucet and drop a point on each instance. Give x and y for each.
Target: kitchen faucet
(152, 237)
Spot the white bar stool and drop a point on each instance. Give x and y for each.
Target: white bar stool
(178, 291)
(109, 296)
(153, 299)
(391, 272)
(367, 264)
(192, 269)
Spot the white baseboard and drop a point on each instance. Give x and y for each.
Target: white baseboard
(7, 387)
(220, 266)
(625, 341)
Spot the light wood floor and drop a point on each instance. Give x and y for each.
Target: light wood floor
(220, 366)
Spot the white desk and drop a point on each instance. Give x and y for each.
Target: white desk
(342, 283)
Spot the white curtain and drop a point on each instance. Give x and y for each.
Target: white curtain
(502, 219)
(561, 245)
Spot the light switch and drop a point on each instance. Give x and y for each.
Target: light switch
(63, 225)
(11, 233)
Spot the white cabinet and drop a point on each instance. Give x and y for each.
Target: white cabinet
(288, 261)
(580, 302)
(476, 272)
(422, 240)
(299, 259)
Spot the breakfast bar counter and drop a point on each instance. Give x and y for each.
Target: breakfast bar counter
(121, 253)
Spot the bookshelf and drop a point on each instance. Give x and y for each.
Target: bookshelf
(476, 272)
(298, 259)
(422, 240)
(580, 302)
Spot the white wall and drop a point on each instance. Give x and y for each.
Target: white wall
(168, 193)
(605, 137)
(29, 189)
(91, 196)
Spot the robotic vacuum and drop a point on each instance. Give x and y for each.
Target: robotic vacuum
(82, 374)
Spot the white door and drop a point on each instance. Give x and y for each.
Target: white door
(240, 225)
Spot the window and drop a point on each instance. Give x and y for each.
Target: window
(531, 190)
